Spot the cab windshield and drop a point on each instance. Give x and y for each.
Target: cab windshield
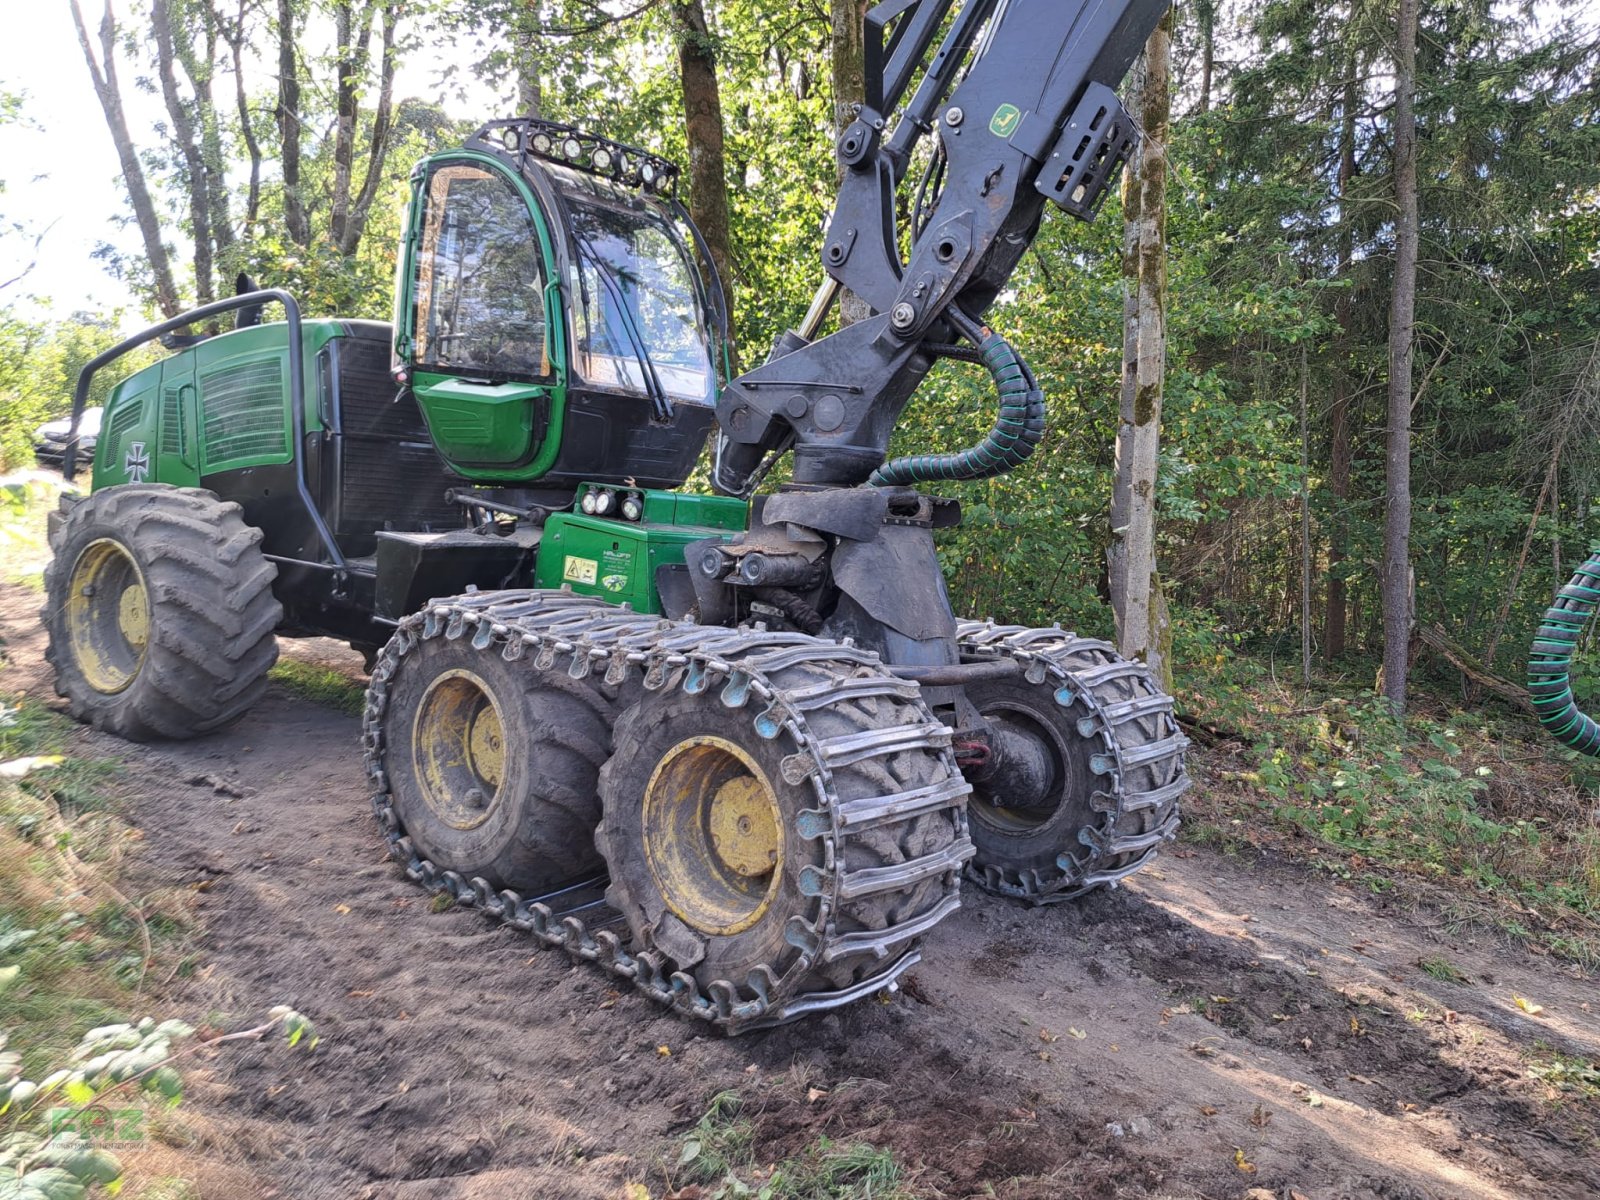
(638, 312)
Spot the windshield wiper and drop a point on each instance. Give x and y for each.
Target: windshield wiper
(660, 404)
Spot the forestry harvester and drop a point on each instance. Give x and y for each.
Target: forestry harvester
(733, 748)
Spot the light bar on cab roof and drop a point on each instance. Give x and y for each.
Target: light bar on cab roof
(554, 142)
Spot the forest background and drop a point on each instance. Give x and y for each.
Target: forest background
(1317, 163)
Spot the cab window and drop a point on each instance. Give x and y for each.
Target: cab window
(479, 284)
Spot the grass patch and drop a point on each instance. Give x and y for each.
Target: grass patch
(320, 685)
(720, 1154)
(1568, 1075)
(1442, 969)
(81, 952)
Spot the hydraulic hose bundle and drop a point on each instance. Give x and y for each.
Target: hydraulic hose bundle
(1550, 664)
(1018, 428)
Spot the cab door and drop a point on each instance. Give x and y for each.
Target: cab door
(480, 320)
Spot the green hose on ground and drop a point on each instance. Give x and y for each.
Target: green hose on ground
(1550, 664)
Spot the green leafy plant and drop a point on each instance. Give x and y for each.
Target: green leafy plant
(52, 1128)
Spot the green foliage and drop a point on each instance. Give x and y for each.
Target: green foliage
(1431, 800)
(76, 1080)
(25, 505)
(39, 365)
(1566, 1074)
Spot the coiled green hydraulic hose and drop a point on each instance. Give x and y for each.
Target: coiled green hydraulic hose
(1017, 430)
(1550, 664)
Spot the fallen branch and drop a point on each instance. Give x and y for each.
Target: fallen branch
(1436, 639)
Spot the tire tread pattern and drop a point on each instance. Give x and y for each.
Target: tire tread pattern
(213, 616)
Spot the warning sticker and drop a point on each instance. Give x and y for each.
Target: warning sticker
(579, 570)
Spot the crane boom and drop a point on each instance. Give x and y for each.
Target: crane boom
(1017, 97)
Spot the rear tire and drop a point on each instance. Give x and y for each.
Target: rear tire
(1112, 757)
(159, 611)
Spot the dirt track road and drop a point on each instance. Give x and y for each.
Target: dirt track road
(1150, 1041)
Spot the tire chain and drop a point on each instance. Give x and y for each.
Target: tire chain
(1133, 721)
(561, 630)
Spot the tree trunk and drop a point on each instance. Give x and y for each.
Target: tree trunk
(1142, 625)
(1339, 451)
(1402, 310)
(349, 236)
(848, 66)
(530, 93)
(201, 70)
(1206, 14)
(288, 114)
(702, 110)
(194, 166)
(235, 39)
(1305, 521)
(352, 38)
(1122, 475)
(104, 74)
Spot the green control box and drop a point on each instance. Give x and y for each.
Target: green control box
(610, 548)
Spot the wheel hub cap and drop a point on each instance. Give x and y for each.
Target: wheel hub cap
(713, 835)
(458, 749)
(108, 616)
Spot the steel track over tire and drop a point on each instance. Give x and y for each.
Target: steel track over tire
(886, 826)
(1117, 756)
(160, 611)
(791, 847)
(491, 765)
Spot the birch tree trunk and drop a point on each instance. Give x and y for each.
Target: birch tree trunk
(1143, 627)
(103, 72)
(1402, 310)
(848, 64)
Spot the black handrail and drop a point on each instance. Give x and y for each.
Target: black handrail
(297, 390)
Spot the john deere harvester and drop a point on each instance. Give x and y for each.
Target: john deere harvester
(733, 748)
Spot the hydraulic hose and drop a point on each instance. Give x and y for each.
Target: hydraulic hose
(1018, 428)
(1550, 664)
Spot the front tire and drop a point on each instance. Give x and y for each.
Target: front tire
(797, 852)
(159, 611)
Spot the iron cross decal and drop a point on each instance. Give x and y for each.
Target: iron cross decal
(136, 462)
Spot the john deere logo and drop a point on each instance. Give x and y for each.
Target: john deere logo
(1004, 122)
(614, 583)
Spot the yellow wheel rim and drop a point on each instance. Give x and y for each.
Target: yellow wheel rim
(713, 835)
(108, 616)
(458, 749)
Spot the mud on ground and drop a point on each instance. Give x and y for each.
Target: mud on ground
(1214, 1026)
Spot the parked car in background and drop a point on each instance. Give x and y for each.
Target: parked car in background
(50, 439)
